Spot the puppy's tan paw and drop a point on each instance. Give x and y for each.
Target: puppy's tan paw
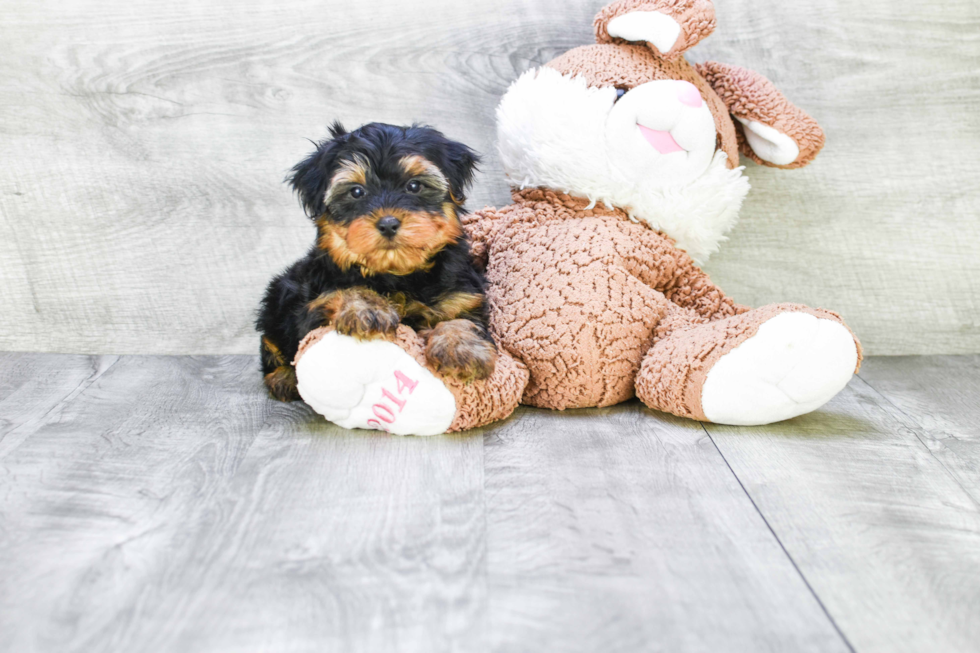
(366, 317)
(281, 383)
(358, 312)
(457, 348)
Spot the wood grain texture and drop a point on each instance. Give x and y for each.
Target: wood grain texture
(884, 534)
(161, 504)
(172, 506)
(624, 530)
(883, 226)
(939, 401)
(141, 208)
(35, 386)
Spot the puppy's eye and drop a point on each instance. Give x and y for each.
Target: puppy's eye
(620, 92)
(414, 186)
(357, 192)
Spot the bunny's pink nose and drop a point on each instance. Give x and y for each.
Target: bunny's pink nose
(688, 94)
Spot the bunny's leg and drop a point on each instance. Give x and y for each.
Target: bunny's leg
(758, 367)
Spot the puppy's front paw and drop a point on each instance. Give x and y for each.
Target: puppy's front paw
(357, 312)
(457, 348)
(365, 315)
(281, 383)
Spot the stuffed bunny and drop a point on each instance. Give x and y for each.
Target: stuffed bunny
(624, 162)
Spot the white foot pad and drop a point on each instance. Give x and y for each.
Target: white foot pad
(373, 385)
(793, 365)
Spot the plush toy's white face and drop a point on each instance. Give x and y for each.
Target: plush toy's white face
(660, 134)
(651, 151)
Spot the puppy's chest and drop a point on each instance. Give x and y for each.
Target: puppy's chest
(400, 290)
(416, 297)
(417, 286)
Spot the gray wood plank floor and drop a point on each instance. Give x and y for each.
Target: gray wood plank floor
(165, 504)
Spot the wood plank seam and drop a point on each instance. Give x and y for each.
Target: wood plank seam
(802, 576)
(10, 441)
(916, 427)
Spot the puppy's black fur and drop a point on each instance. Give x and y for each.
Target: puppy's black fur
(363, 280)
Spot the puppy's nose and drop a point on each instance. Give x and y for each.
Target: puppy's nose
(388, 226)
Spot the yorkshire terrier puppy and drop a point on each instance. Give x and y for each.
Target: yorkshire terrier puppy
(390, 249)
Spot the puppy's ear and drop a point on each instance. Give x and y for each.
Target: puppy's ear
(462, 163)
(457, 161)
(310, 177)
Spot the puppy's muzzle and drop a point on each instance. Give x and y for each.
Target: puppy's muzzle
(388, 226)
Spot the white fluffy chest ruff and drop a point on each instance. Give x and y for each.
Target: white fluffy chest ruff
(555, 131)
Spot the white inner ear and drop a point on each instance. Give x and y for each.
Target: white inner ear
(652, 26)
(769, 144)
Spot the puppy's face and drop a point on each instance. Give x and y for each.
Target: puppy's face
(385, 199)
(387, 216)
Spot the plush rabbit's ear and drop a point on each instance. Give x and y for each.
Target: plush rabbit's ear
(771, 130)
(669, 27)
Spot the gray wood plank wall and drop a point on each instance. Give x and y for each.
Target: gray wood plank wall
(143, 145)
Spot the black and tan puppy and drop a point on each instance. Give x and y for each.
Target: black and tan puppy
(390, 249)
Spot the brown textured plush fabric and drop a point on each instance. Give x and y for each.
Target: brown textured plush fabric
(696, 18)
(749, 95)
(674, 370)
(477, 403)
(576, 294)
(480, 402)
(598, 307)
(628, 66)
